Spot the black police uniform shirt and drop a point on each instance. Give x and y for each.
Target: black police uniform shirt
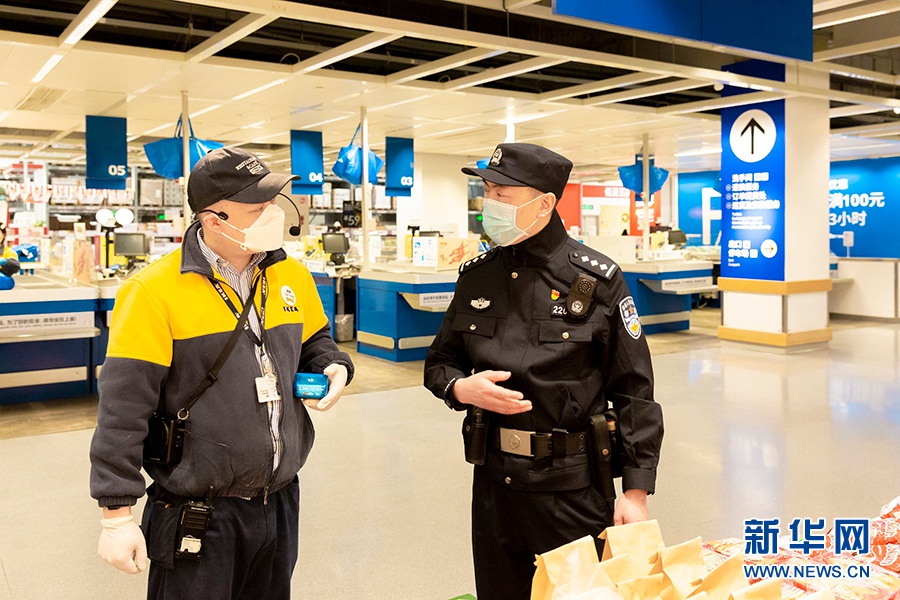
(509, 314)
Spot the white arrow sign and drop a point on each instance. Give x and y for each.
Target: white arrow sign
(752, 135)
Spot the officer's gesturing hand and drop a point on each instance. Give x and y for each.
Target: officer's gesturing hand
(481, 390)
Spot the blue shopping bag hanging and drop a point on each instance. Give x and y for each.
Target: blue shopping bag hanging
(165, 156)
(349, 163)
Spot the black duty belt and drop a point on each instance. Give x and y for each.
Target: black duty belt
(536, 445)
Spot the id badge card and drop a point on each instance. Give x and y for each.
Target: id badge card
(267, 389)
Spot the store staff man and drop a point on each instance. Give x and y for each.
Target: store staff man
(222, 522)
(540, 357)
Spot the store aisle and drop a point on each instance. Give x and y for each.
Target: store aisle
(385, 493)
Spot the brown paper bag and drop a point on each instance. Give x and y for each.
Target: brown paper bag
(767, 589)
(724, 579)
(683, 565)
(639, 541)
(643, 588)
(572, 562)
(618, 569)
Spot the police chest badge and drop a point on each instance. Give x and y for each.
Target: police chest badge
(630, 317)
(480, 304)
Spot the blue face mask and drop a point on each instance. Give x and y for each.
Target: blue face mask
(499, 221)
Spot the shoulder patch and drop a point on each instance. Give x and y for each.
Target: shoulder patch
(600, 266)
(478, 260)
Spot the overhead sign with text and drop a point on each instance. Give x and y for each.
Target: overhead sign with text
(752, 187)
(864, 198)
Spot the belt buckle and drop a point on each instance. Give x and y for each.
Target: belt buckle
(514, 441)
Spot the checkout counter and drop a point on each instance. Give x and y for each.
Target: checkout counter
(49, 339)
(400, 310)
(866, 287)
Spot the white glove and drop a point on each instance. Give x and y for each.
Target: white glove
(122, 544)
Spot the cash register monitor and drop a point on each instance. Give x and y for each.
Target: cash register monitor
(131, 244)
(677, 237)
(335, 244)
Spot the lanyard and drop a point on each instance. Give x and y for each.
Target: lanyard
(261, 314)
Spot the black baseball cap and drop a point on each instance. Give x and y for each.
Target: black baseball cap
(233, 174)
(526, 165)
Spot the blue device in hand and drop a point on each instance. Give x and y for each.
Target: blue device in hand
(310, 385)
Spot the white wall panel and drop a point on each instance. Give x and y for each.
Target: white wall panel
(757, 312)
(807, 312)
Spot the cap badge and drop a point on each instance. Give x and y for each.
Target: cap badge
(498, 154)
(481, 304)
(554, 294)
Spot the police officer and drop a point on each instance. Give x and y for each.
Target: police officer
(541, 335)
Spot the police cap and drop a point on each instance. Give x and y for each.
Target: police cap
(526, 165)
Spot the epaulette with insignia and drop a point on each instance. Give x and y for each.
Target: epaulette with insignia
(478, 260)
(597, 266)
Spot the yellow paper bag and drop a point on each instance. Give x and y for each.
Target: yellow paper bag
(618, 569)
(724, 579)
(643, 588)
(600, 577)
(683, 565)
(767, 589)
(639, 541)
(572, 562)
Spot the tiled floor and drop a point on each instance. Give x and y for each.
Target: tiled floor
(385, 509)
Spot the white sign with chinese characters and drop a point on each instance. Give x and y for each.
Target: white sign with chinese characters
(53, 322)
(435, 299)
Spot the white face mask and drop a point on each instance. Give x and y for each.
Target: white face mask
(499, 221)
(265, 234)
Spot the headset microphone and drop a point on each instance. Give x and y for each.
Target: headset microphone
(294, 229)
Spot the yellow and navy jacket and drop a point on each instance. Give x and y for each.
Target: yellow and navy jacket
(168, 327)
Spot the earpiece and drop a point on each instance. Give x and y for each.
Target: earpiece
(294, 229)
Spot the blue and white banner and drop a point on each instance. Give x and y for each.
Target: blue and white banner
(753, 158)
(107, 152)
(700, 207)
(400, 169)
(307, 161)
(864, 198)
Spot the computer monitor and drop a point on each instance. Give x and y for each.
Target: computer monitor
(132, 244)
(677, 237)
(335, 243)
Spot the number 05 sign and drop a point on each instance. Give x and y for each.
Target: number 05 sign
(107, 153)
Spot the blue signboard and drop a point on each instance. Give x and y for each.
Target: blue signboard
(780, 27)
(864, 197)
(307, 162)
(107, 153)
(753, 158)
(400, 169)
(700, 207)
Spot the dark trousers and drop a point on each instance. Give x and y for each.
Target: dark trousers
(510, 527)
(249, 551)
